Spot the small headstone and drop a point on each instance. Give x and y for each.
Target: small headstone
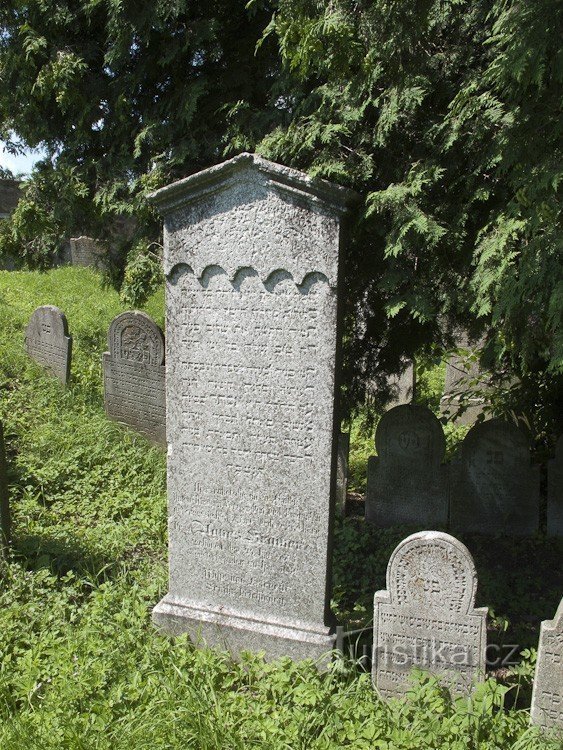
(342, 471)
(251, 257)
(5, 525)
(47, 341)
(427, 617)
(495, 488)
(555, 492)
(134, 375)
(88, 252)
(547, 695)
(407, 483)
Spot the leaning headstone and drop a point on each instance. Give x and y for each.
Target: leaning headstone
(5, 525)
(251, 259)
(88, 252)
(555, 492)
(407, 482)
(134, 392)
(47, 341)
(342, 471)
(426, 619)
(495, 488)
(547, 695)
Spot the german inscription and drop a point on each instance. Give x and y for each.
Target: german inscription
(47, 341)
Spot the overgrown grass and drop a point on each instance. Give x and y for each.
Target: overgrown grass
(81, 666)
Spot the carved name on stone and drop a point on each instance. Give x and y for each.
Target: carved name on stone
(547, 695)
(134, 375)
(427, 618)
(47, 341)
(555, 492)
(407, 483)
(495, 488)
(251, 260)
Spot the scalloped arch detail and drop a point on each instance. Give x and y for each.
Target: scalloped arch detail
(270, 280)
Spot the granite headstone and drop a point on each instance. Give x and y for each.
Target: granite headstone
(495, 487)
(555, 492)
(427, 617)
(47, 341)
(134, 377)
(251, 258)
(547, 694)
(407, 482)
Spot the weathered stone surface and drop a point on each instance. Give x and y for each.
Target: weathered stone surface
(495, 488)
(407, 483)
(547, 695)
(5, 525)
(47, 341)
(88, 252)
(342, 471)
(134, 377)
(403, 386)
(555, 492)
(251, 260)
(427, 618)
(463, 373)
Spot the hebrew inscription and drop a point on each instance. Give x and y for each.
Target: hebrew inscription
(48, 343)
(134, 375)
(426, 617)
(547, 695)
(87, 252)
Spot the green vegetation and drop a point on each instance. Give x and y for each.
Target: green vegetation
(82, 668)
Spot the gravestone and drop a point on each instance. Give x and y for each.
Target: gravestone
(134, 392)
(462, 373)
(547, 694)
(5, 525)
(47, 341)
(251, 258)
(427, 618)
(88, 252)
(403, 386)
(407, 483)
(342, 471)
(555, 492)
(495, 488)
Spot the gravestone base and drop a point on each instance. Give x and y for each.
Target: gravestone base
(235, 633)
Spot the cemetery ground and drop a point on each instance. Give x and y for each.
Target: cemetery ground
(81, 665)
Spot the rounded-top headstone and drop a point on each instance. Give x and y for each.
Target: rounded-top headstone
(47, 341)
(496, 435)
(410, 434)
(135, 337)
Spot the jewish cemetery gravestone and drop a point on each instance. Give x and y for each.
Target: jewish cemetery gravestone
(403, 386)
(251, 260)
(47, 341)
(134, 392)
(407, 482)
(555, 492)
(547, 695)
(426, 618)
(87, 252)
(5, 525)
(495, 488)
(342, 470)
(463, 373)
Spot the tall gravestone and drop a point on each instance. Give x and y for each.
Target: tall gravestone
(134, 379)
(555, 492)
(251, 260)
(407, 482)
(5, 521)
(426, 618)
(88, 252)
(495, 488)
(47, 341)
(463, 375)
(342, 471)
(547, 695)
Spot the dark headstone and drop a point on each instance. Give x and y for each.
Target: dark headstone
(555, 492)
(47, 341)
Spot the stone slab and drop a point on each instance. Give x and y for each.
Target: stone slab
(251, 257)
(495, 487)
(47, 341)
(88, 252)
(5, 520)
(462, 373)
(407, 482)
(547, 695)
(555, 492)
(134, 375)
(426, 618)
(342, 471)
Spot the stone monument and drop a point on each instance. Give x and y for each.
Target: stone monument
(407, 482)
(427, 618)
(88, 252)
(47, 341)
(547, 695)
(251, 259)
(495, 488)
(5, 521)
(134, 392)
(555, 492)
(342, 471)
